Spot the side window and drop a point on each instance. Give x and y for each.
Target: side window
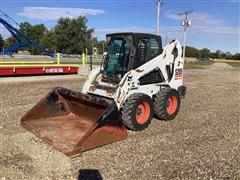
(117, 59)
(147, 49)
(113, 54)
(141, 52)
(153, 49)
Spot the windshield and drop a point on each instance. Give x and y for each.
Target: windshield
(117, 60)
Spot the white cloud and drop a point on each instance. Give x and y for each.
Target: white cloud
(168, 33)
(101, 32)
(207, 24)
(125, 29)
(197, 17)
(217, 31)
(170, 14)
(204, 18)
(151, 30)
(53, 13)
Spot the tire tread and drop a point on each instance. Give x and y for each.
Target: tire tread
(126, 112)
(160, 104)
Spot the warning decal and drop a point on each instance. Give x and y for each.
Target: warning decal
(178, 74)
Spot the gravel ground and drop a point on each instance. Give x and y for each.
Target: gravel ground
(201, 143)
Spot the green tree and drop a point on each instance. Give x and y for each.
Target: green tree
(192, 52)
(205, 52)
(212, 55)
(9, 42)
(236, 56)
(72, 35)
(1, 43)
(49, 41)
(25, 27)
(36, 33)
(219, 54)
(228, 55)
(101, 46)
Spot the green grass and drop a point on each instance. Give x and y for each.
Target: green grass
(204, 64)
(197, 64)
(97, 61)
(188, 65)
(234, 64)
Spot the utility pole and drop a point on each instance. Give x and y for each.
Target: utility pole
(159, 3)
(185, 23)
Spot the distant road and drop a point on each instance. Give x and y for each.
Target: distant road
(19, 58)
(77, 59)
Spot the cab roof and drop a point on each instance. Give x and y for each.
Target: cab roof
(135, 34)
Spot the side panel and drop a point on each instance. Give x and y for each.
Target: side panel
(16, 71)
(171, 57)
(177, 79)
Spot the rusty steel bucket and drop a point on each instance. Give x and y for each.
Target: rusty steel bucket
(73, 122)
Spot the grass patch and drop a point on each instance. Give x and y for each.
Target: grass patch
(74, 62)
(204, 64)
(234, 64)
(197, 64)
(95, 63)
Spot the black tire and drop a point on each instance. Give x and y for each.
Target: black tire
(161, 104)
(132, 114)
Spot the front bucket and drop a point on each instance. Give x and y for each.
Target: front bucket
(74, 122)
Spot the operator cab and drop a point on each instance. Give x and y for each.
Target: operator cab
(127, 51)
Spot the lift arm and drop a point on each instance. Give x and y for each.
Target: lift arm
(18, 35)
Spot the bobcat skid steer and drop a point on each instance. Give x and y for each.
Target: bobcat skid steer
(137, 80)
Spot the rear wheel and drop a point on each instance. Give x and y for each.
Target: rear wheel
(166, 104)
(137, 111)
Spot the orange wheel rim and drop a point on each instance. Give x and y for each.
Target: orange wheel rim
(172, 105)
(143, 112)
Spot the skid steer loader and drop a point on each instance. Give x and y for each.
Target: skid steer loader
(136, 81)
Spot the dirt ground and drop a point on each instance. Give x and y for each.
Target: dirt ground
(203, 142)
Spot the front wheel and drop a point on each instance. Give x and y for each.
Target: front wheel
(166, 104)
(137, 111)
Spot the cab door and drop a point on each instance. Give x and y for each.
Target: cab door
(146, 49)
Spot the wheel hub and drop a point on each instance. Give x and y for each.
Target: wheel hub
(143, 112)
(172, 105)
(139, 111)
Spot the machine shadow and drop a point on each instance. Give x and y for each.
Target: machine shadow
(89, 174)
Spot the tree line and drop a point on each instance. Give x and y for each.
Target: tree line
(72, 36)
(68, 36)
(218, 54)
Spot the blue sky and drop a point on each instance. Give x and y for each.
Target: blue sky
(215, 23)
